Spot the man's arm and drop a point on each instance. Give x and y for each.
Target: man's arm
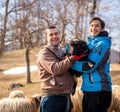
(96, 55)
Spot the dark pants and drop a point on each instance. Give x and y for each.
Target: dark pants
(54, 104)
(96, 102)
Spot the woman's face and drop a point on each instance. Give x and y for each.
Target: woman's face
(53, 37)
(95, 28)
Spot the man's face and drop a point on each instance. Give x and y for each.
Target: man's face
(53, 37)
(95, 28)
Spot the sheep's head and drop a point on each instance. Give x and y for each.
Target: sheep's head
(78, 47)
(17, 94)
(37, 99)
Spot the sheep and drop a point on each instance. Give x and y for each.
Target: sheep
(16, 94)
(115, 103)
(78, 47)
(77, 100)
(14, 85)
(20, 104)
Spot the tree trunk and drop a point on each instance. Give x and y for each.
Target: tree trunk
(94, 8)
(3, 35)
(28, 78)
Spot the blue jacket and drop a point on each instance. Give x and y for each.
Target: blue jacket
(96, 74)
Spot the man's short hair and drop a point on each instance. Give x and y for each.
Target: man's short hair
(97, 18)
(52, 27)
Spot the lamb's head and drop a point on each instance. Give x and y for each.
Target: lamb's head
(78, 47)
(36, 99)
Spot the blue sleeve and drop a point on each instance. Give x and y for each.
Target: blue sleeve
(96, 55)
(67, 47)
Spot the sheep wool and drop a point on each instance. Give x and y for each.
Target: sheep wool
(77, 100)
(18, 105)
(17, 102)
(16, 94)
(115, 104)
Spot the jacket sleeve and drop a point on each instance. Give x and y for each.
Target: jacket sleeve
(52, 65)
(96, 56)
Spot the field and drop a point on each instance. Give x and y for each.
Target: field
(17, 59)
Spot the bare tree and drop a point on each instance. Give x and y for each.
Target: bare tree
(64, 19)
(3, 31)
(78, 15)
(27, 35)
(24, 31)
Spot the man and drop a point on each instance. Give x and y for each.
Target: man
(56, 83)
(96, 85)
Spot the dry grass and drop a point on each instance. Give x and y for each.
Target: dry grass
(17, 59)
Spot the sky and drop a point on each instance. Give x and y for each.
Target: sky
(113, 15)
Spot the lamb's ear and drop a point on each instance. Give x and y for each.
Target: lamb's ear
(37, 99)
(71, 42)
(37, 96)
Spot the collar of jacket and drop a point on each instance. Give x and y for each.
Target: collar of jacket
(57, 51)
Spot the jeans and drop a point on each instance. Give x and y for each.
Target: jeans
(54, 103)
(96, 102)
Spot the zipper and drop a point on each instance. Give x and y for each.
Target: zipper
(91, 79)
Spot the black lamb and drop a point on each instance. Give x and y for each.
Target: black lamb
(78, 47)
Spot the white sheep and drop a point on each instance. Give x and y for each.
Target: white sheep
(16, 94)
(22, 104)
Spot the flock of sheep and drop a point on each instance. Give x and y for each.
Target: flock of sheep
(18, 102)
